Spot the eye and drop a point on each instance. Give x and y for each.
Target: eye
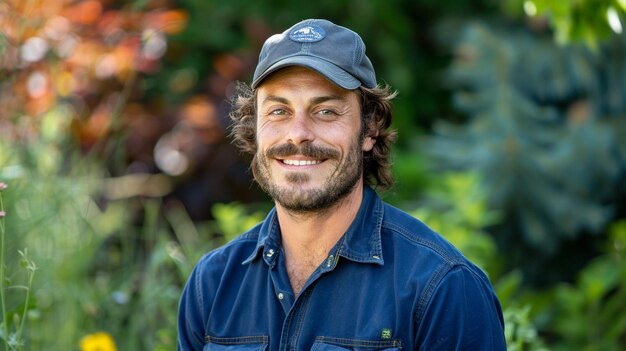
(326, 112)
(278, 112)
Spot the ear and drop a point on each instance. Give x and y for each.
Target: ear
(369, 142)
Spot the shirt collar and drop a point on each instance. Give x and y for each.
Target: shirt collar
(269, 240)
(360, 243)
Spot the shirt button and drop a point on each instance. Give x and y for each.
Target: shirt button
(281, 296)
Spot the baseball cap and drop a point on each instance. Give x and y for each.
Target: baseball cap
(336, 52)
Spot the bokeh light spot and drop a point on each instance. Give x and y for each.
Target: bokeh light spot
(34, 49)
(530, 9)
(37, 84)
(614, 21)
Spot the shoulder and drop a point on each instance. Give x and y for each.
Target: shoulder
(403, 229)
(449, 280)
(425, 253)
(230, 255)
(212, 271)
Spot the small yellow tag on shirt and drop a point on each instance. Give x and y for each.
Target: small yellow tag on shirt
(386, 333)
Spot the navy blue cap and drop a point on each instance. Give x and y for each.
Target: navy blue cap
(336, 52)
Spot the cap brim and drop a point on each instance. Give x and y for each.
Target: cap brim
(325, 68)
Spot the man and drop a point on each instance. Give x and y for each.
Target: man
(332, 267)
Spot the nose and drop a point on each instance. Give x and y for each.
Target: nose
(300, 130)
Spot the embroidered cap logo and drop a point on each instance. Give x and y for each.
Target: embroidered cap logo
(307, 34)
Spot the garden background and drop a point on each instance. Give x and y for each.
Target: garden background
(117, 174)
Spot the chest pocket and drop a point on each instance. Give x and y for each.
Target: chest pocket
(240, 343)
(325, 343)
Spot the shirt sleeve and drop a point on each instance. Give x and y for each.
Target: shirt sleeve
(190, 315)
(463, 314)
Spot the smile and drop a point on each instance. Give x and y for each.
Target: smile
(301, 162)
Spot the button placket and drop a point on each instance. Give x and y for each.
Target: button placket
(330, 260)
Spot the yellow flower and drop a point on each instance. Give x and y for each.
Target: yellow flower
(97, 342)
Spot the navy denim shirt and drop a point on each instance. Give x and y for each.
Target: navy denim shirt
(390, 283)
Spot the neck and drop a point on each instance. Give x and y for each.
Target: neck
(307, 238)
(320, 228)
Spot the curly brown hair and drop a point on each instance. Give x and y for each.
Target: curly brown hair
(376, 114)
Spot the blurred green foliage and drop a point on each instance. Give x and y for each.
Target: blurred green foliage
(545, 126)
(520, 332)
(587, 21)
(233, 219)
(589, 311)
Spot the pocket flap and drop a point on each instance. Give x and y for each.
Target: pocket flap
(325, 343)
(241, 343)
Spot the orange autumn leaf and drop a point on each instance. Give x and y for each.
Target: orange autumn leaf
(84, 12)
(170, 22)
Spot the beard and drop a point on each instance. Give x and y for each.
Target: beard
(293, 196)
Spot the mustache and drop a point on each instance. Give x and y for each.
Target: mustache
(306, 149)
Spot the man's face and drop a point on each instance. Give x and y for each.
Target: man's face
(309, 143)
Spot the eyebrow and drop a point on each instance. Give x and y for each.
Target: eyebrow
(315, 100)
(321, 99)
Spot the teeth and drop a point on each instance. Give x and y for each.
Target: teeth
(301, 162)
